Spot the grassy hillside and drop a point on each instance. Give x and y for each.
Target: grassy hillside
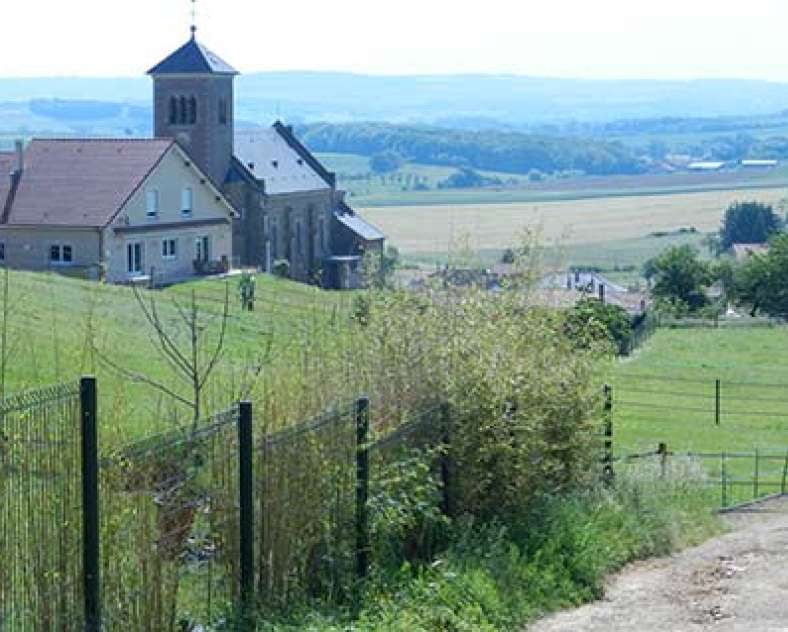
(56, 322)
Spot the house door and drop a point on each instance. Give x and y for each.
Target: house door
(134, 258)
(203, 249)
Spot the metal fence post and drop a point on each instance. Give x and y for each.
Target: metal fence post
(785, 474)
(724, 480)
(662, 450)
(607, 467)
(717, 402)
(757, 473)
(246, 517)
(90, 503)
(362, 487)
(447, 505)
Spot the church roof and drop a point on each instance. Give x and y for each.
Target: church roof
(270, 157)
(193, 58)
(358, 224)
(81, 182)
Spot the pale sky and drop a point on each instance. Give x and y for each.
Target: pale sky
(568, 38)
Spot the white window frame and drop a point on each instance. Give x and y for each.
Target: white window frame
(152, 203)
(187, 201)
(141, 270)
(61, 260)
(169, 249)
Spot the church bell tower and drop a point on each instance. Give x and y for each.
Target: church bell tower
(193, 103)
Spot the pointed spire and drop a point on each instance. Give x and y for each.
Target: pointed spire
(193, 27)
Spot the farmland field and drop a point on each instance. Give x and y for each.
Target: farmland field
(590, 228)
(667, 391)
(667, 394)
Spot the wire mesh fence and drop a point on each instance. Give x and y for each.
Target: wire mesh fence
(305, 482)
(169, 528)
(40, 511)
(195, 525)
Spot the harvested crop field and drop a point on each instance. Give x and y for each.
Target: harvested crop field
(436, 229)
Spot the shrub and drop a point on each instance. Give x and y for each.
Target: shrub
(591, 321)
(281, 268)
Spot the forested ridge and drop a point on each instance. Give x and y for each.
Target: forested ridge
(509, 152)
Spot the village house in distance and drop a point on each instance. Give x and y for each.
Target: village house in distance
(197, 198)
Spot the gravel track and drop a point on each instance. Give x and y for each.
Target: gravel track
(737, 582)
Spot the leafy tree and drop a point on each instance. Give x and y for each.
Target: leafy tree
(508, 256)
(762, 281)
(679, 278)
(385, 162)
(591, 321)
(466, 178)
(748, 223)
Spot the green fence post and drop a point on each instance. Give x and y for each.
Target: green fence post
(246, 515)
(717, 402)
(90, 503)
(362, 487)
(785, 474)
(662, 450)
(607, 469)
(446, 504)
(724, 480)
(757, 471)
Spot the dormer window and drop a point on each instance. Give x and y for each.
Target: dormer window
(152, 202)
(187, 201)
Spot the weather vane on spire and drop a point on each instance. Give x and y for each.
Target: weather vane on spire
(194, 18)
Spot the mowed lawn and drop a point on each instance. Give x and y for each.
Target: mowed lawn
(427, 229)
(667, 393)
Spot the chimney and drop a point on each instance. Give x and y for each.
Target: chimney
(20, 157)
(16, 176)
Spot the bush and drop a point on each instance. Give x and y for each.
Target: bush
(281, 268)
(498, 575)
(591, 321)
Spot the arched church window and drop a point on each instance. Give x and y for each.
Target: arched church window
(222, 111)
(192, 111)
(184, 114)
(173, 110)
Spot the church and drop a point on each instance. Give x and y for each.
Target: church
(290, 214)
(198, 198)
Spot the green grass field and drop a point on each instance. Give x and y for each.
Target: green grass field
(667, 393)
(53, 319)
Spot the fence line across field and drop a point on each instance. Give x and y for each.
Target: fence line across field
(761, 480)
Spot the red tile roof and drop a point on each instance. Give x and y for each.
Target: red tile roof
(81, 182)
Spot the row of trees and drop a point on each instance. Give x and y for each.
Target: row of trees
(508, 152)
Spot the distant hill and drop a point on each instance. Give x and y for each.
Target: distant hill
(458, 101)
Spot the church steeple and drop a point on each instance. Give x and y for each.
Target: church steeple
(193, 27)
(193, 103)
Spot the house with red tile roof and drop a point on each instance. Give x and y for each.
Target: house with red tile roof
(197, 197)
(124, 210)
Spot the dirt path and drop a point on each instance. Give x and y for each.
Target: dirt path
(738, 582)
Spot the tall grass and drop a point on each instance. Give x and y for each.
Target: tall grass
(499, 575)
